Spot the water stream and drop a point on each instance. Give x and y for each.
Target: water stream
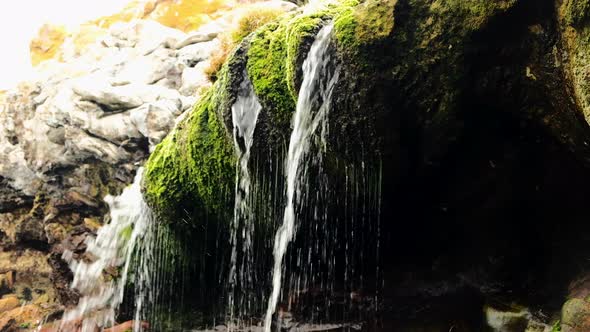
(101, 275)
(244, 117)
(313, 103)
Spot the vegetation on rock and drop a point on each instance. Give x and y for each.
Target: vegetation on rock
(252, 18)
(192, 170)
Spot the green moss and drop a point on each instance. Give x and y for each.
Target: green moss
(298, 31)
(267, 64)
(576, 36)
(253, 19)
(474, 13)
(364, 24)
(126, 232)
(192, 169)
(276, 54)
(577, 12)
(556, 326)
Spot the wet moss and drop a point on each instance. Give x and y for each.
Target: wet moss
(267, 64)
(362, 25)
(277, 52)
(577, 12)
(574, 16)
(191, 170)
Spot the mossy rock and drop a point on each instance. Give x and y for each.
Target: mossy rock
(275, 58)
(574, 16)
(190, 173)
(577, 12)
(575, 315)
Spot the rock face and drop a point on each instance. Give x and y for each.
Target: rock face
(75, 134)
(82, 127)
(473, 116)
(474, 111)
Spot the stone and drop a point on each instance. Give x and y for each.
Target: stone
(194, 79)
(113, 98)
(575, 316)
(192, 54)
(7, 281)
(31, 272)
(197, 37)
(146, 36)
(83, 146)
(8, 303)
(146, 69)
(24, 317)
(155, 119)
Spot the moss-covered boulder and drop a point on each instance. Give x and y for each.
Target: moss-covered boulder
(473, 112)
(190, 174)
(575, 25)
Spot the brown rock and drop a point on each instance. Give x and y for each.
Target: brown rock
(575, 316)
(8, 303)
(7, 280)
(29, 315)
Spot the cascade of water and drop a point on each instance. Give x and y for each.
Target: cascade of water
(244, 117)
(111, 249)
(313, 102)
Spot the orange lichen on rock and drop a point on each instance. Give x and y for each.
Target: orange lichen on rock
(184, 15)
(47, 43)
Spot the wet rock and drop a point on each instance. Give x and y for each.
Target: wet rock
(61, 277)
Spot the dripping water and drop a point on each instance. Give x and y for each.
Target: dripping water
(311, 113)
(111, 249)
(244, 117)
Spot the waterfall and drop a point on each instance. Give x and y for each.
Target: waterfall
(101, 282)
(244, 117)
(313, 104)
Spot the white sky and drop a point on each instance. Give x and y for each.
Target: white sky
(21, 19)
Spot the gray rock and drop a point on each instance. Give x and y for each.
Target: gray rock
(192, 54)
(114, 98)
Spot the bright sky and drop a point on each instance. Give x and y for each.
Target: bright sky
(21, 19)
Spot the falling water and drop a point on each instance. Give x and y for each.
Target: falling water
(102, 289)
(244, 117)
(311, 113)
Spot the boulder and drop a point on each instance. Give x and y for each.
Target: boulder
(113, 98)
(145, 69)
(200, 36)
(575, 316)
(8, 303)
(146, 36)
(194, 80)
(192, 54)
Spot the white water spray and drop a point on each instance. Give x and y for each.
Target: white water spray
(244, 117)
(111, 250)
(312, 110)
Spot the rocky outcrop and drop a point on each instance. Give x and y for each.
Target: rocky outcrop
(77, 133)
(474, 110)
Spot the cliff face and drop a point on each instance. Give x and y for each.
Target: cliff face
(472, 115)
(476, 112)
(100, 103)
